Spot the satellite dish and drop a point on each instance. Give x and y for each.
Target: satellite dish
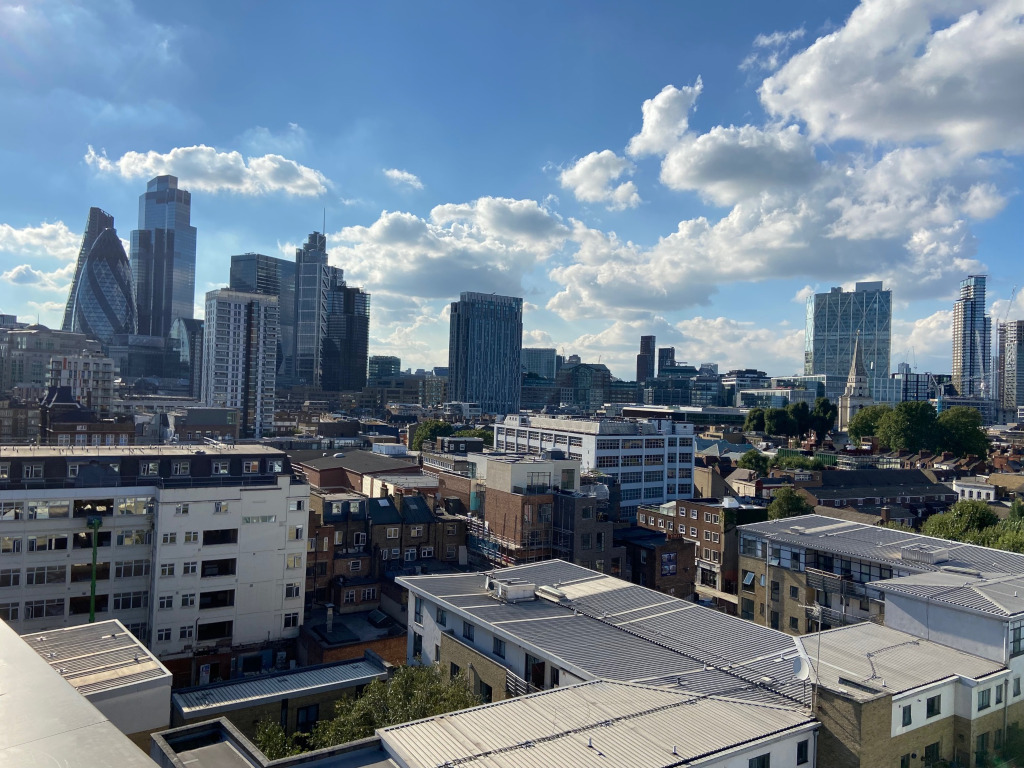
(801, 670)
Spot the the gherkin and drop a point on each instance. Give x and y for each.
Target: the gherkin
(104, 302)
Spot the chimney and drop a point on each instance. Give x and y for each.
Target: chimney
(330, 618)
(886, 513)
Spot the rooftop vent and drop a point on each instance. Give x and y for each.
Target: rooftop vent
(553, 594)
(924, 553)
(512, 590)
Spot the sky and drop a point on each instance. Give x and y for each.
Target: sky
(688, 170)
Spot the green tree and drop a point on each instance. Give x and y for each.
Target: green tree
(801, 415)
(411, 694)
(964, 521)
(273, 742)
(961, 433)
(754, 421)
(1017, 510)
(486, 434)
(896, 525)
(824, 416)
(754, 460)
(431, 429)
(788, 503)
(797, 462)
(910, 426)
(777, 421)
(865, 421)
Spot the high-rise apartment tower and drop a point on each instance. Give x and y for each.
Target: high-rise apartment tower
(972, 339)
(485, 343)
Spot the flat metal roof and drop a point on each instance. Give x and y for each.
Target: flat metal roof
(868, 660)
(98, 657)
(999, 595)
(105, 451)
(237, 694)
(600, 722)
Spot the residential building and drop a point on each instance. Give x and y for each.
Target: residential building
(646, 359)
(25, 355)
(540, 361)
(353, 470)
(802, 571)
(383, 367)
(240, 357)
(199, 552)
(269, 275)
(972, 339)
(651, 460)
(19, 421)
(832, 323)
(484, 351)
(89, 377)
(65, 421)
(654, 560)
(163, 257)
(1011, 366)
(918, 493)
(97, 221)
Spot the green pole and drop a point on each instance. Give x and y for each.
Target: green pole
(94, 524)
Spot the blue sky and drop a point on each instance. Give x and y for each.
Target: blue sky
(691, 170)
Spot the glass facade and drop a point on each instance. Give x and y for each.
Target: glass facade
(104, 301)
(163, 255)
(256, 273)
(972, 339)
(97, 222)
(485, 342)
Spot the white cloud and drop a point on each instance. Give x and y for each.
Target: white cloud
(290, 141)
(926, 343)
(58, 280)
(48, 239)
(770, 49)
(803, 294)
(592, 180)
(403, 177)
(666, 119)
(205, 169)
(729, 342)
(944, 71)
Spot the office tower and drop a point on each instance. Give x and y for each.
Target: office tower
(269, 275)
(666, 359)
(104, 300)
(384, 367)
(311, 281)
(972, 338)
(645, 360)
(1011, 366)
(97, 222)
(345, 345)
(540, 361)
(187, 337)
(833, 322)
(163, 251)
(485, 343)
(240, 357)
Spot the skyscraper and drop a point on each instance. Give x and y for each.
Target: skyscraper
(540, 361)
(240, 357)
(187, 336)
(384, 367)
(645, 360)
(311, 281)
(97, 222)
(834, 320)
(345, 344)
(163, 253)
(666, 359)
(972, 338)
(485, 343)
(271, 276)
(1011, 366)
(104, 302)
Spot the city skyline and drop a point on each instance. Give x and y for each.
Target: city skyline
(697, 191)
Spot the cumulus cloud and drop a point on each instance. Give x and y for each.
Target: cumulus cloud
(592, 180)
(289, 141)
(28, 276)
(48, 239)
(205, 169)
(929, 71)
(769, 50)
(729, 342)
(403, 178)
(666, 119)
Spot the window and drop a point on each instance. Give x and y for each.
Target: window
(129, 538)
(295, 505)
(219, 507)
(748, 581)
(167, 569)
(932, 753)
(188, 600)
(293, 561)
(803, 752)
(905, 761)
(10, 577)
(181, 509)
(163, 635)
(358, 539)
(46, 574)
(418, 610)
(984, 699)
(794, 623)
(453, 669)
(220, 467)
(441, 617)
(250, 467)
(291, 620)
(416, 531)
(586, 541)
(190, 568)
(350, 596)
(410, 554)
(499, 648)
(999, 694)
(291, 590)
(761, 761)
(370, 593)
(149, 468)
(907, 716)
(191, 537)
(747, 609)
(295, 533)
(9, 611)
(794, 593)
(1016, 686)
(426, 552)
(934, 706)
(166, 602)
(179, 468)
(9, 545)
(124, 601)
(392, 533)
(468, 631)
(185, 633)
(306, 718)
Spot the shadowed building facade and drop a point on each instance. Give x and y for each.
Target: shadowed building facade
(485, 342)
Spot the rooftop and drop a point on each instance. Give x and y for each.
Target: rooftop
(868, 660)
(359, 461)
(620, 723)
(107, 451)
(603, 627)
(995, 595)
(97, 657)
(911, 552)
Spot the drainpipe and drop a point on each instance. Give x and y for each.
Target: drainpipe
(94, 523)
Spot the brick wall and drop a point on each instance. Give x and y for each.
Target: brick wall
(484, 670)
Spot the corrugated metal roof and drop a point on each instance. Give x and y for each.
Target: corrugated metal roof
(600, 722)
(1000, 595)
(609, 628)
(97, 657)
(881, 545)
(887, 660)
(223, 697)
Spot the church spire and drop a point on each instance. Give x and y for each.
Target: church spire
(857, 369)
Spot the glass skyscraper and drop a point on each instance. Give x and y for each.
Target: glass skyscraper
(104, 300)
(972, 339)
(271, 276)
(163, 254)
(485, 342)
(98, 221)
(833, 321)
